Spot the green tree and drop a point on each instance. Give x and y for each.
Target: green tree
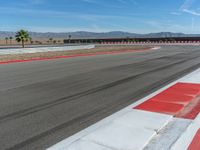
(22, 36)
(6, 40)
(54, 41)
(70, 36)
(30, 40)
(51, 40)
(10, 39)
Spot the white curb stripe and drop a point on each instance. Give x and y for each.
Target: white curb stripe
(168, 135)
(144, 120)
(185, 140)
(192, 78)
(133, 130)
(121, 137)
(197, 120)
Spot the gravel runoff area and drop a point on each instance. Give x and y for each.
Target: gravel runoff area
(53, 54)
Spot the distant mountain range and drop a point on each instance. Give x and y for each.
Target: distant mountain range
(83, 34)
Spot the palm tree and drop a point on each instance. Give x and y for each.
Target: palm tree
(70, 36)
(10, 39)
(6, 40)
(54, 41)
(30, 40)
(22, 36)
(51, 40)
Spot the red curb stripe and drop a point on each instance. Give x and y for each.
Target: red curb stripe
(195, 145)
(180, 100)
(160, 107)
(173, 98)
(192, 110)
(72, 56)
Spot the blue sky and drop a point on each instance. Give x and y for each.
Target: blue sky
(138, 16)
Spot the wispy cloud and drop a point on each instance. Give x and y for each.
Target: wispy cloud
(65, 14)
(124, 1)
(165, 26)
(54, 14)
(127, 2)
(116, 4)
(102, 19)
(175, 13)
(192, 12)
(91, 28)
(91, 1)
(187, 4)
(193, 24)
(186, 7)
(36, 2)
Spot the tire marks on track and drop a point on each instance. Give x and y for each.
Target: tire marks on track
(101, 110)
(62, 100)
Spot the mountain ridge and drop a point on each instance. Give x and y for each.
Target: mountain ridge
(85, 34)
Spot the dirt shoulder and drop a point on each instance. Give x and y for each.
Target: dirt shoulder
(98, 49)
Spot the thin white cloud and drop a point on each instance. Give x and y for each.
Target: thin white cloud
(169, 26)
(187, 4)
(175, 13)
(36, 2)
(56, 14)
(193, 24)
(127, 2)
(186, 7)
(192, 12)
(63, 14)
(90, 28)
(91, 1)
(122, 1)
(115, 3)
(165, 26)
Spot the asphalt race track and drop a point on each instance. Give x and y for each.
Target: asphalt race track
(44, 102)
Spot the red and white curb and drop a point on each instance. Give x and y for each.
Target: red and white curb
(195, 43)
(168, 119)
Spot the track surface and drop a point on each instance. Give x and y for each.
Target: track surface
(44, 102)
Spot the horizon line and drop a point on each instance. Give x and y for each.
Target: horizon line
(100, 32)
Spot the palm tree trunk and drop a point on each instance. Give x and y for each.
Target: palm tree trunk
(23, 44)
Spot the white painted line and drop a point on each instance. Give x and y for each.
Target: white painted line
(192, 78)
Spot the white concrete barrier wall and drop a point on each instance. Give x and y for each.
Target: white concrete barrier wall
(44, 49)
